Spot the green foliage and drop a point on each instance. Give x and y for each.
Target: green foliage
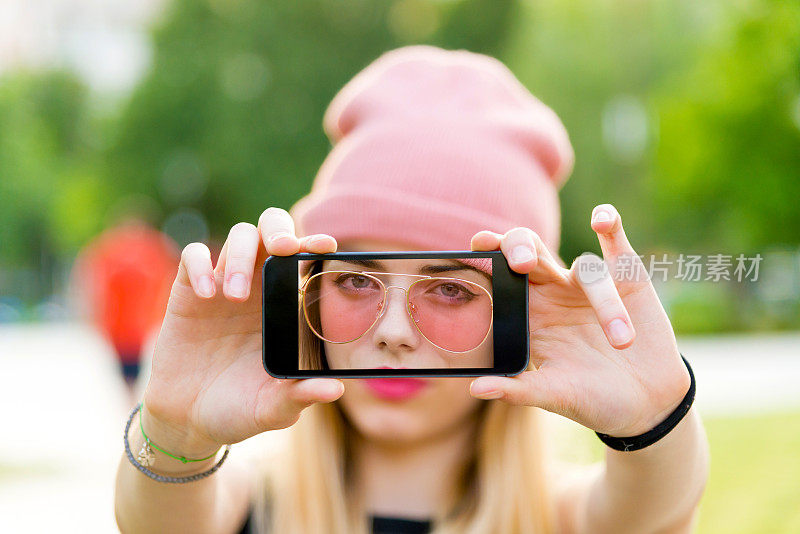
(719, 86)
(683, 114)
(703, 308)
(726, 166)
(44, 160)
(580, 58)
(235, 98)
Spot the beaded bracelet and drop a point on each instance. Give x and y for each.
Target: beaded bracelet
(146, 456)
(646, 439)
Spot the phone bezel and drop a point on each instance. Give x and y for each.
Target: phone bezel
(511, 335)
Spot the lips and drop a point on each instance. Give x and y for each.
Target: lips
(401, 388)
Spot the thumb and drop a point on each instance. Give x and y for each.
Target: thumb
(307, 391)
(529, 388)
(282, 407)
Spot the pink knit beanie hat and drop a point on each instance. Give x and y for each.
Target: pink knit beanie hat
(432, 146)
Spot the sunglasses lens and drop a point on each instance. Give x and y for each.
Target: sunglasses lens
(340, 307)
(455, 315)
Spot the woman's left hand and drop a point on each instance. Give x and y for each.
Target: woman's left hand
(602, 345)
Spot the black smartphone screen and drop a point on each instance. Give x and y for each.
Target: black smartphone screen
(371, 314)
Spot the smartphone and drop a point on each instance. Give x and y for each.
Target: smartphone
(382, 314)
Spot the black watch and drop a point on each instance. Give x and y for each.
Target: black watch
(662, 429)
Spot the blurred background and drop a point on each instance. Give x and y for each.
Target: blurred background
(191, 115)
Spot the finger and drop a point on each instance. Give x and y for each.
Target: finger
(281, 406)
(529, 388)
(486, 240)
(592, 275)
(277, 231)
(318, 244)
(196, 266)
(545, 268)
(526, 253)
(240, 259)
(219, 270)
(624, 263)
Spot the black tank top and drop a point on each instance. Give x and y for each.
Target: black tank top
(380, 525)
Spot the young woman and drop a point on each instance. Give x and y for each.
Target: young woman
(433, 150)
(340, 305)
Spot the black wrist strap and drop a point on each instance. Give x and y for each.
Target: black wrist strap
(662, 429)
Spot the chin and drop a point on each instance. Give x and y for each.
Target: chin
(396, 423)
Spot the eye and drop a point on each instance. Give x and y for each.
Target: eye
(454, 291)
(355, 281)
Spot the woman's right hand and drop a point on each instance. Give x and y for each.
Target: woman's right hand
(208, 386)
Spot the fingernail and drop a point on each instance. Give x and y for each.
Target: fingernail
(490, 395)
(619, 332)
(601, 216)
(206, 286)
(521, 254)
(237, 286)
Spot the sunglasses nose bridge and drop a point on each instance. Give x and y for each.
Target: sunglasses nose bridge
(401, 288)
(411, 309)
(386, 298)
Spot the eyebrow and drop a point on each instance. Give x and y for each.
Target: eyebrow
(425, 269)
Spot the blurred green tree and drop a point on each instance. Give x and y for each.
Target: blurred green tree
(685, 115)
(725, 173)
(228, 121)
(597, 64)
(49, 185)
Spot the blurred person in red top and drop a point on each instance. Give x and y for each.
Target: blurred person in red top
(124, 277)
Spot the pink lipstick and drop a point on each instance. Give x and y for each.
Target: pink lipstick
(395, 388)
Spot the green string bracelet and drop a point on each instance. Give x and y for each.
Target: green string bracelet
(156, 447)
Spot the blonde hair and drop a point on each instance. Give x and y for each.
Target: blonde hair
(306, 488)
(311, 348)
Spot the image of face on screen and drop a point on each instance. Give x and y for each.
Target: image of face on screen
(401, 313)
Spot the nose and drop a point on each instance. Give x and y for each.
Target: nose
(394, 328)
(410, 306)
